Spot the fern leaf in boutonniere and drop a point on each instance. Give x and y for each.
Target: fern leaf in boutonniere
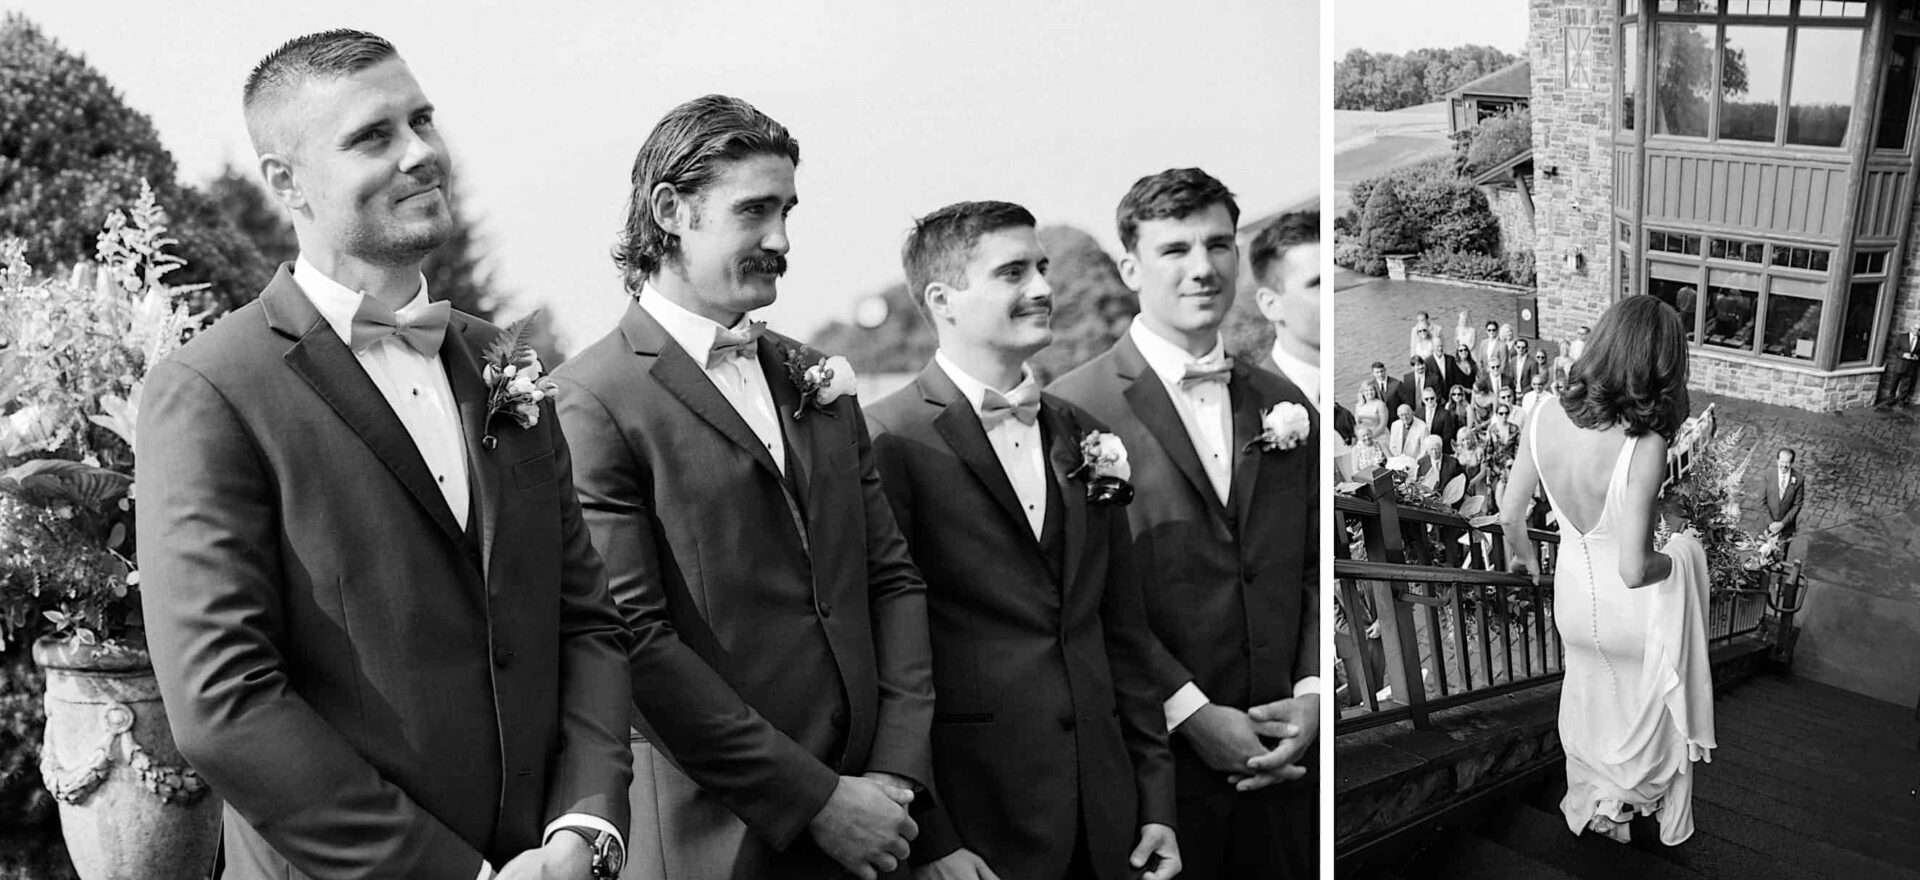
(516, 380)
(821, 380)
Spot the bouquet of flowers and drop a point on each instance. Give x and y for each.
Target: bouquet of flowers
(73, 353)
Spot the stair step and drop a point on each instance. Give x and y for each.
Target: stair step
(1784, 847)
(1473, 857)
(1863, 721)
(1543, 836)
(1829, 700)
(1885, 838)
(1834, 760)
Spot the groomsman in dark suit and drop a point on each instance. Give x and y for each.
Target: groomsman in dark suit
(1285, 258)
(779, 635)
(379, 628)
(1440, 420)
(1784, 491)
(1389, 388)
(1418, 379)
(1049, 746)
(1224, 527)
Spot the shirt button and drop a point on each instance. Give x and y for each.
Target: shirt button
(416, 392)
(441, 479)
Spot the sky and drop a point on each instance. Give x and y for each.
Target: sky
(1400, 26)
(899, 108)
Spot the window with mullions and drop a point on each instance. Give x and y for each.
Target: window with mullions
(1810, 259)
(1793, 318)
(1896, 97)
(1731, 305)
(1689, 7)
(1683, 88)
(1870, 263)
(1834, 8)
(1736, 249)
(1759, 7)
(1753, 63)
(1630, 73)
(1673, 243)
(1677, 286)
(1856, 323)
(1826, 62)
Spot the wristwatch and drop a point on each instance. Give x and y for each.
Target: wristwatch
(608, 858)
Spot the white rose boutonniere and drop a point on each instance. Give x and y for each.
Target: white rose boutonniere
(1283, 426)
(516, 380)
(1103, 464)
(821, 380)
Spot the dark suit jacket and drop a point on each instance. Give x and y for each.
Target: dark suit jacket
(1390, 393)
(1444, 425)
(1232, 590)
(369, 700)
(1047, 718)
(1784, 508)
(1901, 353)
(1410, 390)
(779, 628)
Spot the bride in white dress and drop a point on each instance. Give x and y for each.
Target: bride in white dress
(1636, 704)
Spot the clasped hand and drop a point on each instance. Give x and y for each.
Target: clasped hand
(1228, 740)
(864, 825)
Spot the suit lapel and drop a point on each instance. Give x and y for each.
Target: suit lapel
(1148, 397)
(320, 358)
(1246, 403)
(470, 395)
(676, 371)
(1063, 457)
(960, 427)
(786, 401)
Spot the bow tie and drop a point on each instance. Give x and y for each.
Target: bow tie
(733, 343)
(1210, 370)
(423, 329)
(1022, 404)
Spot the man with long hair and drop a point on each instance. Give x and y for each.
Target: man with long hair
(779, 634)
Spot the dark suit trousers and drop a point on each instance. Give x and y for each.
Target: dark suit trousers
(1898, 385)
(1263, 835)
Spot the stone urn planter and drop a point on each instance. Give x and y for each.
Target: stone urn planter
(130, 807)
(1397, 265)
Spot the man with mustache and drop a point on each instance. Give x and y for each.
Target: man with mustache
(1049, 750)
(779, 652)
(1224, 525)
(380, 630)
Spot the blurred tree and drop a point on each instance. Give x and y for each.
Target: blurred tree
(1385, 81)
(71, 150)
(247, 206)
(1091, 308)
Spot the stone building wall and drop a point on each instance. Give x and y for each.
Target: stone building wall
(1516, 225)
(1799, 387)
(1571, 45)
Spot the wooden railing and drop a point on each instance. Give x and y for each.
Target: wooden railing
(1454, 626)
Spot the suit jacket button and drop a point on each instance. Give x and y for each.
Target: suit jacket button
(826, 610)
(502, 657)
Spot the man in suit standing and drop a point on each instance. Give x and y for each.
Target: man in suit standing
(1784, 491)
(1903, 363)
(1225, 531)
(1417, 380)
(779, 653)
(1285, 257)
(379, 628)
(1386, 386)
(1440, 421)
(1049, 746)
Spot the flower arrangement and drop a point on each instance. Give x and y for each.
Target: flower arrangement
(73, 354)
(1704, 499)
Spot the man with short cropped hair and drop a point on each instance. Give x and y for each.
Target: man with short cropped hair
(1049, 749)
(1228, 526)
(379, 628)
(1285, 257)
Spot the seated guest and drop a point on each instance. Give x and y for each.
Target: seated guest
(1536, 394)
(1407, 433)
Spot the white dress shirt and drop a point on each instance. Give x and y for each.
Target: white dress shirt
(1208, 418)
(1203, 408)
(739, 379)
(1302, 373)
(1016, 445)
(415, 385)
(416, 388)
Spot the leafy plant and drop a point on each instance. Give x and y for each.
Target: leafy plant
(73, 352)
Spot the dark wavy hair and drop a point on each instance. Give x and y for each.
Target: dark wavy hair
(1634, 371)
(687, 149)
(1276, 238)
(1175, 193)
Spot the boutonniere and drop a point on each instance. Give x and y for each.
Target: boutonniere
(821, 380)
(1103, 464)
(1283, 426)
(516, 380)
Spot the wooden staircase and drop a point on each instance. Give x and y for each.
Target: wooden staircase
(1809, 781)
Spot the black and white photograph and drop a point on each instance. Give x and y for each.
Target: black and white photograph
(600, 440)
(1627, 320)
